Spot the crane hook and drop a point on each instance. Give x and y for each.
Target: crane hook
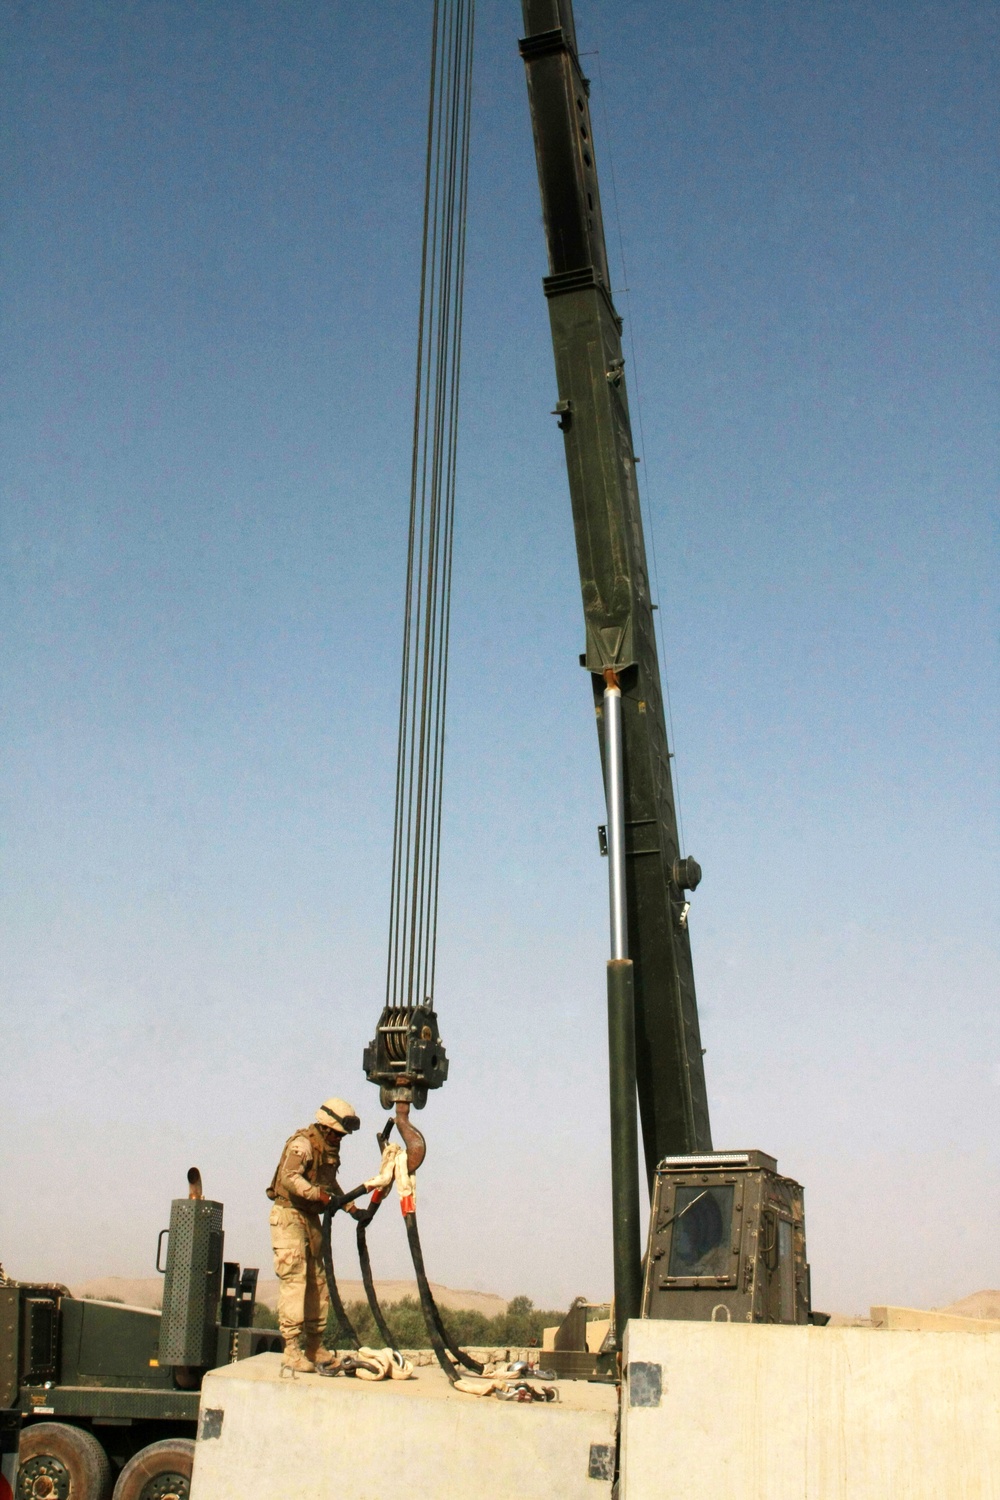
(416, 1146)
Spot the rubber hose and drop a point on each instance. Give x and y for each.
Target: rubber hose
(432, 1316)
(426, 1300)
(336, 1302)
(418, 1265)
(366, 1277)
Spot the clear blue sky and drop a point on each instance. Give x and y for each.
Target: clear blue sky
(210, 246)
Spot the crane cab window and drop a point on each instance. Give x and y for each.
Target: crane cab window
(703, 1218)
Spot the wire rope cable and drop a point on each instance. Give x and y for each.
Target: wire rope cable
(416, 856)
(411, 960)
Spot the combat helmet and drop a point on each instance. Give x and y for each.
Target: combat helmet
(338, 1115)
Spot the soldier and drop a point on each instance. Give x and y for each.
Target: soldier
(305, 1180)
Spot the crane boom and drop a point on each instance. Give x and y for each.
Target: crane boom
(620, 640)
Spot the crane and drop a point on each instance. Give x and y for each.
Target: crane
(723, 1222)
(734, 1230)
(651, 946)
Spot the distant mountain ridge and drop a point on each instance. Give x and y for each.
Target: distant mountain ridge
(147, 1291)
(979, 1305)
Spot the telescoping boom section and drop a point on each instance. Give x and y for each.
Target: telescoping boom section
(620, 650)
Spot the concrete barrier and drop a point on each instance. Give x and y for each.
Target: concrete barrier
(763, 1412)
(916, 1320)
(261, 1434)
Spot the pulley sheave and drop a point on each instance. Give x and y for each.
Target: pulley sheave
(406, 1056)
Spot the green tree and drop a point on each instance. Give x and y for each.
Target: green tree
(520, 1325)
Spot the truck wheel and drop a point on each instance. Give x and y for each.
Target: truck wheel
(58, 1462)
(160, 1472)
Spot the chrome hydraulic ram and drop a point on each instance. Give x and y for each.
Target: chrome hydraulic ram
(614, 791)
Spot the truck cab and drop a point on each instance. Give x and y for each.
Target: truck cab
(108, 1395)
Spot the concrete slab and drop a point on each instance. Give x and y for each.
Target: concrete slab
(759, 1412)
(341, 1439)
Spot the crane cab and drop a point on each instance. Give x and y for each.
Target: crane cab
(727, 1241)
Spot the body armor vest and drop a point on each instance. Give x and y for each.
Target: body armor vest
(320, 1172)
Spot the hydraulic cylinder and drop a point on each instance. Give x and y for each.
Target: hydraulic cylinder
(621, 1034)
(624, 1145)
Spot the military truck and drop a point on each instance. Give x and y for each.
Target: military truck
(108, 1394)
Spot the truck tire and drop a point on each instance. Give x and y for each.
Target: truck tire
(59, 1462)
(160, 1472)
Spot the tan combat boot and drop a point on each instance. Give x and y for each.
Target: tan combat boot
(323, 1358)
(295, 1358)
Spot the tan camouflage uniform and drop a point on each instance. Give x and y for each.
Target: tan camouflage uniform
(306, 1176)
